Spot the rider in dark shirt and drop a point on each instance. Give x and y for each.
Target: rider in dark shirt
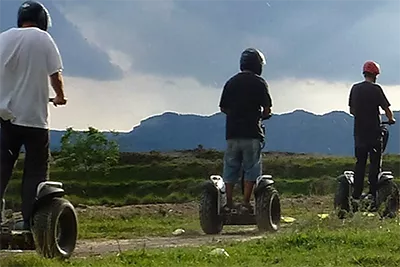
(246, 102)
(364, 101)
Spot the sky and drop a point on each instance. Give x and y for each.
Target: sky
(126, 60)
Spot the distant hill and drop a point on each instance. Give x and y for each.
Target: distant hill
(296, 132)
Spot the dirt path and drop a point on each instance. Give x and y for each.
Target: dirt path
(96, 247)
(100, 247)
(87, 248)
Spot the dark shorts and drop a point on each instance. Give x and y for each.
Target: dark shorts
(246, 152)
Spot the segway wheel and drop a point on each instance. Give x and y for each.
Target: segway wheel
(388, 199)
(210, 221)
(55, 229)
(342, 198)
(268, 210)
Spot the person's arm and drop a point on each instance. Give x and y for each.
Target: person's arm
(389, 114)
(265, 100)
(385, 105)
(224, 101)
(351, 104)
(57, 82)
(54, 67)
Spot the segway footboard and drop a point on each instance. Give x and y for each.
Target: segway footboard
(237, 218)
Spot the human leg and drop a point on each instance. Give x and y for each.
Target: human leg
(232, 165)
(375, 166)
(36, 166)
(252, 165)
(361, 154)
(10, 145)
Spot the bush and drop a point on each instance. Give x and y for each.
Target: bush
(88, 151)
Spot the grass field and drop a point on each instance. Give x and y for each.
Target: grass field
(108, 210)
(175, 177)
(309, 241)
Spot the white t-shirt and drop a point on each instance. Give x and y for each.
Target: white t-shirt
(28, 56)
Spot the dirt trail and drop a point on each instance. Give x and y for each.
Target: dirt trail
(99, 247)
(103, 246)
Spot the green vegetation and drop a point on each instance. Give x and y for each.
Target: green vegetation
(176, 177)
(309, 241)
(95, 173)
(131, 223)
(305, 182)
(88, 151)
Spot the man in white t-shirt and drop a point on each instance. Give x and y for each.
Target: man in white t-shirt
(28, 57)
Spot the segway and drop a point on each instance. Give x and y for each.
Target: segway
(266, 213)
(53, 225)
(387, 200)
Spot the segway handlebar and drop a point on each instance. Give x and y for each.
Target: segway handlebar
(388, 122)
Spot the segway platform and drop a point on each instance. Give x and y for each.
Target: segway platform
(236, 217)
(266, 210)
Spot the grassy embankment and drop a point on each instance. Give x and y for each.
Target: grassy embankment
(175, 177)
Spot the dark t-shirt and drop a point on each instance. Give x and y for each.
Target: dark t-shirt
(242, 97)
(365, 99)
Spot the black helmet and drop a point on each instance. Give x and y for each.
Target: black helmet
(252, 60)
(35, 12)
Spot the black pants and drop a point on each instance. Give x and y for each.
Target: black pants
(36, 165)
(363, 149)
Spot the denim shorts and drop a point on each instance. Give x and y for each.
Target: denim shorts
(244, 153)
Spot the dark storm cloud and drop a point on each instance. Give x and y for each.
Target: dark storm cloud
(80, 58)
(326, 40)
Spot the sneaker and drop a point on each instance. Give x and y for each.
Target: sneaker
(246, 209)
(226, 209)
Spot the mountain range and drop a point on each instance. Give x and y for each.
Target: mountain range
(297, 132)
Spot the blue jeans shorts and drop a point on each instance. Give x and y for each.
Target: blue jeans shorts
(244, 153)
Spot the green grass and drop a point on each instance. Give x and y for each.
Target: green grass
(156, 177)
(150, 220)
(310, 241)
(130, 225)
(176, 177)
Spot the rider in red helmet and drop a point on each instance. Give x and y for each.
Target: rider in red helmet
(371, 69)
(364, 101)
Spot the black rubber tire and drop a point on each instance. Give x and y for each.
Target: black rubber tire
(388, 199)
(210, 221)
(342, 200)
(55, 229)
(268, 209)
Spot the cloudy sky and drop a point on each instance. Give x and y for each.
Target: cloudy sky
(126, 60)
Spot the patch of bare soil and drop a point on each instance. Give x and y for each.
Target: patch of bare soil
(189, 208)
(100, 247)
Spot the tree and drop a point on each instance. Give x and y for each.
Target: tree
(88, 150)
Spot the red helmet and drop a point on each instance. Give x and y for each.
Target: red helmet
(371, 67)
